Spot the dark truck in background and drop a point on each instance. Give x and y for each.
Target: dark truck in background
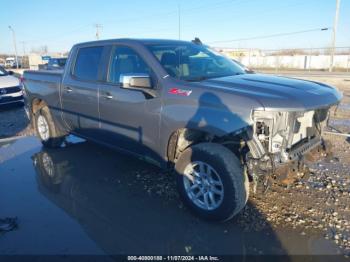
(56, 63)
(180, 104)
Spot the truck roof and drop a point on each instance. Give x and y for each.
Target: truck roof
(131, 40)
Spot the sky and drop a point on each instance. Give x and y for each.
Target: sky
(60, 24)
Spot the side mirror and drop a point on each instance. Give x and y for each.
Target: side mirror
(10, 73)
(136, 81)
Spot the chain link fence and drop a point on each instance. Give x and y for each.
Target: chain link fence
(307, 59)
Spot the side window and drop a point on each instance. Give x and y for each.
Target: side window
(87, 63)
(126, 61)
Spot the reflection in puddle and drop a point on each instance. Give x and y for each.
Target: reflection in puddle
(106, 193)
(112, 198)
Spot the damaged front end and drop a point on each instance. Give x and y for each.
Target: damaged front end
(280, 140)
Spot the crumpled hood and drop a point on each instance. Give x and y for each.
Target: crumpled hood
(8, 81)
(275, 92)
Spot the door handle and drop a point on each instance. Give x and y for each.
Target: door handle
(108, 96)
(68, 89)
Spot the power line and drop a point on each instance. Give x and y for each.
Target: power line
(180, 12)
(215, 5)
(166, 14)
(252, 16)
(135, 19)
(271, 36)
(54, 37)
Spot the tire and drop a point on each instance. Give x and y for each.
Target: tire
(48, 171)
(53, 138)
(225, 168)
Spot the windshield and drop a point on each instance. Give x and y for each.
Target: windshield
(61, 62)
(57, 62)
(3, 72)
(192, 62)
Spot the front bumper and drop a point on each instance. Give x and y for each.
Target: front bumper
(302, 148)
(287, 170)
(11, 98)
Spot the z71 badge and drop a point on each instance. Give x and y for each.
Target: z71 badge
(181, 92)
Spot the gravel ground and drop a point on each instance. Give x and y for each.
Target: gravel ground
(314, 203)
(318, 202)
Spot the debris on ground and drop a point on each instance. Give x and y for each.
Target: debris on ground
(314, 204)
(8, 224)
(317, 203)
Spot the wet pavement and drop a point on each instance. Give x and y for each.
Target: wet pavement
(85, 199)
(13, 121)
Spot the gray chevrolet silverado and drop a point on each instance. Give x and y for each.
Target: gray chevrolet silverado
(180, 104)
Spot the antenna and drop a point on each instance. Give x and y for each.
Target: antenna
(98, 27)
(179, 20)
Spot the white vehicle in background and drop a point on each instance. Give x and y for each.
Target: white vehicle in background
(10, 88)
(10, 62)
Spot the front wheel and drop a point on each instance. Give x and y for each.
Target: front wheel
(46, 130)
(211, 181)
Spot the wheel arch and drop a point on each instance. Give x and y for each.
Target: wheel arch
(183, 138)
(36, 104)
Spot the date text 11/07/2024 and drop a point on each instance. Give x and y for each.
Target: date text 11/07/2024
(173, 258)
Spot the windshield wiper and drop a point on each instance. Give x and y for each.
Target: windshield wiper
(202, 78)
(197, 79)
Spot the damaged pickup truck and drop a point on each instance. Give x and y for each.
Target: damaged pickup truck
(182, 105)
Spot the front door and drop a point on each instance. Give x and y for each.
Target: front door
(129, 118)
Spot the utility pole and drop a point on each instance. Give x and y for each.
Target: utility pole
(14, 44)
(24, 47)
(335, 25)
(179, 20)
(98, 26)
(24, 58)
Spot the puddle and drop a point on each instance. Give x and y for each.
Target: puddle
(85, 199)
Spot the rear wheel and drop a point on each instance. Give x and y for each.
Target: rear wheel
(46, 130)
(211, 181)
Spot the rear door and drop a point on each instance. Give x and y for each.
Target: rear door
(129, 118)
(79, 91)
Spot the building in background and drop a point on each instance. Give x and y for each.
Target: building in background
(236, 53)
(37, 61)
(285, 59)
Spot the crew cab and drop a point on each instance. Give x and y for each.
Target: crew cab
(182, 105)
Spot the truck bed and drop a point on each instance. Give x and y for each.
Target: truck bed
(44, 84)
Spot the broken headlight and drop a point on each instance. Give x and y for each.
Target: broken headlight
(271, 128)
